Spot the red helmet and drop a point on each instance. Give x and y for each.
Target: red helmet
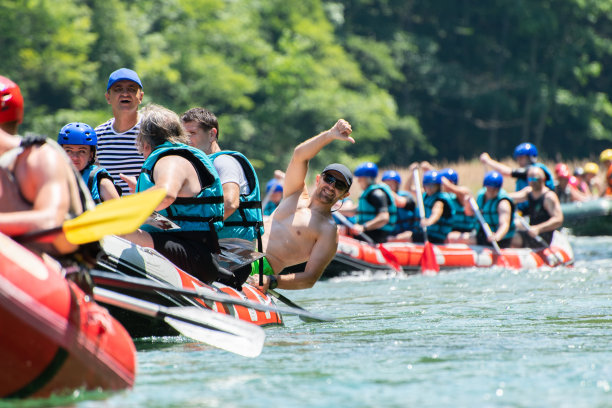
(11, 101)
(562, 170)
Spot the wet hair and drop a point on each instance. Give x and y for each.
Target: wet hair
(159, 125)
(203, 117)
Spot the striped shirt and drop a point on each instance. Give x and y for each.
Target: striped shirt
(117, 152)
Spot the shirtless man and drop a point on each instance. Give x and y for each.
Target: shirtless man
(38, 188)
(302, 229)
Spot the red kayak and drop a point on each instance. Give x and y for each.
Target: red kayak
(53, 337)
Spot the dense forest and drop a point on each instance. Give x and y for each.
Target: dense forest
(434, 79)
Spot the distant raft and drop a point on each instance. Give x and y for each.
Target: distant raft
(354, 255)
(54, 339)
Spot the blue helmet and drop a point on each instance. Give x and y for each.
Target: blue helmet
(274, 184)
(432, 177)
(77, 133)
(450, 174)
(493, 179)
(367, 169)
(392, 175)
(525, 149)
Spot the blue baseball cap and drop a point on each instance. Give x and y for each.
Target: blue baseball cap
(121, 75)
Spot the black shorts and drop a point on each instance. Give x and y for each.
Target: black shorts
(190, 251)
(530, 242)
(481, 239)
(418, 236)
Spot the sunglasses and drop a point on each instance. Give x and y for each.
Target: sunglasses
(533, 179)
(332, 181)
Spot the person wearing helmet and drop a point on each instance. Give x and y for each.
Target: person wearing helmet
(497, 210)
(438, 210)
(543, 209)
(566, 192)
(302, 228)
(462, 221)
(606, 160)
(376, 209)
(274, 192)
(39, 189)
(117, 151)
(79, 142)
(591, 171)
(404, 201)
(526, 155)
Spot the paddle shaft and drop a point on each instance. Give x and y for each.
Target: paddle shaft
(419, 197)
(540, 240)
(485, 225)
(146, 285)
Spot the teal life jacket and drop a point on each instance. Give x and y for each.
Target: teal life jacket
(247, 221)
(407, 217)
(204, 212)
(490, 214)
(367, 212)
(460, 221)
(92, 176)
(440, 229)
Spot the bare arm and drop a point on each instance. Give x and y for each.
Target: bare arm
(295, 175)
(504, 211)
(176, 175)
(108, 190)
(521, 195)
(43, 180)
(553, 206)
(231, 199)
(436, 213)
(495, 165)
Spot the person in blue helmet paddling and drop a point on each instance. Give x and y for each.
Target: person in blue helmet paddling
(79, 141)
(404, 201)
(497, 209)
(376, 209)
(542, 207)
(526, 155)
(438, 210)
(274, 192)
(463, 221)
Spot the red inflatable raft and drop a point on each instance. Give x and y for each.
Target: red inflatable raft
(125, 258)
(353, 255)
(53, 338)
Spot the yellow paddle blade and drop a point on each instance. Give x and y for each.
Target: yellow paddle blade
(114, 217)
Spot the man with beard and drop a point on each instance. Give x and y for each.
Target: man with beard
(543, 208)
(302, 228)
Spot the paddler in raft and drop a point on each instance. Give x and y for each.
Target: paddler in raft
(79, 141)
(302, 228)
(543, 208)
(376, 209)
(194, 198)
(39, 188)
(242, 206)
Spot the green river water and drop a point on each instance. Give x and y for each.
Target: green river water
(464, 338)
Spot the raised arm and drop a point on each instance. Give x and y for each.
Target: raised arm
(521, 195)
(295, 175)
(495, 165)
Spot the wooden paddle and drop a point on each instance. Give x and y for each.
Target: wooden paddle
(429, 263)
(487, 230)
(148, 285)
(216, 329)
(541, 240)
(389, 257)
(114, 217)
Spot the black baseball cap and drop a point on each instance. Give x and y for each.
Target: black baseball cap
(343, 170)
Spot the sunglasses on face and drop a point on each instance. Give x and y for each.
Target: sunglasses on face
(332, 181)
(533, 179)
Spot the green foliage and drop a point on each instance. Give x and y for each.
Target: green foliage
(437, 80)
